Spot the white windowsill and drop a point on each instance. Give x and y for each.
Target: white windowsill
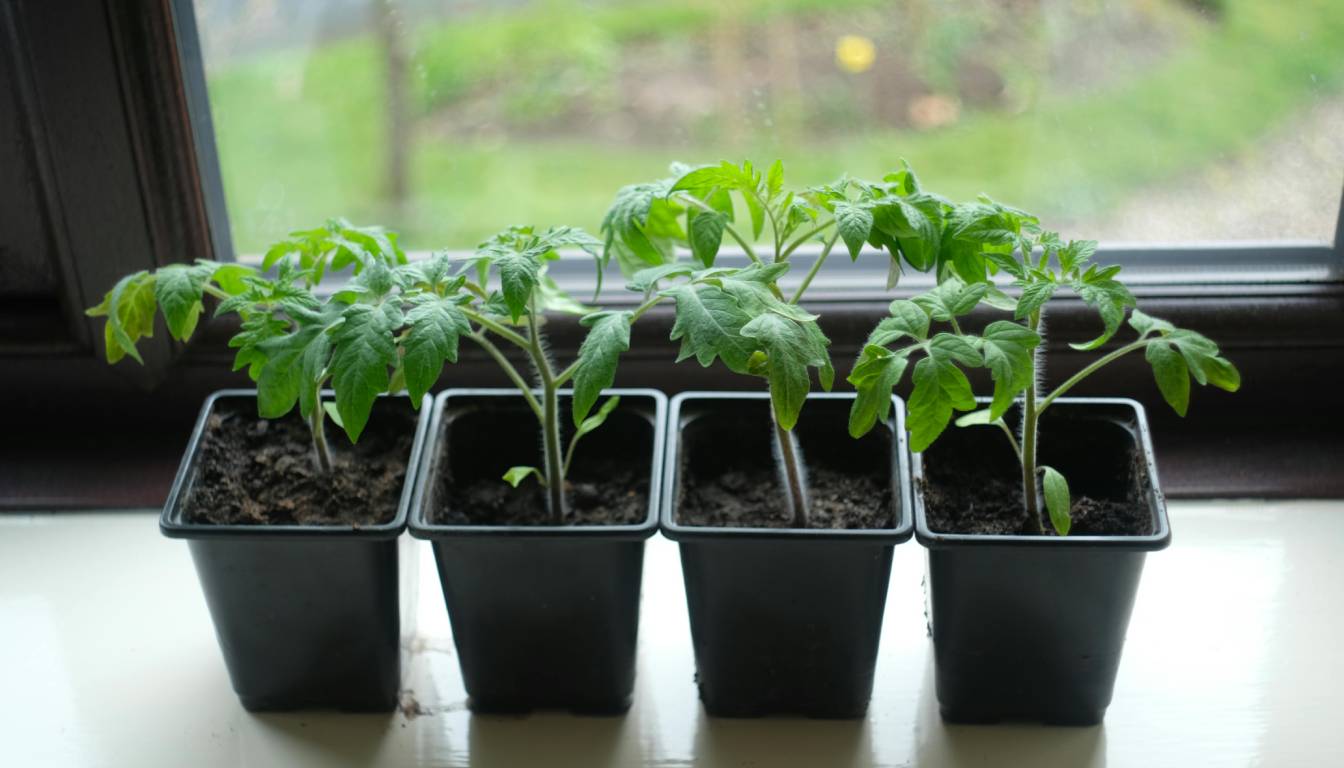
(1234, 657)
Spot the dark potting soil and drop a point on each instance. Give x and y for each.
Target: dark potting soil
(264, 471)
(605, 493)
(755, 499)
(962, 499)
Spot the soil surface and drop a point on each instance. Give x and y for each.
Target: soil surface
(607, 493)
(264, 471)
(958, 500)
(755, 499)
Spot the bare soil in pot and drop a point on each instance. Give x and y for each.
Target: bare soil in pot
(731, 479)
(973, 483)
(263, 471)
(608, 483)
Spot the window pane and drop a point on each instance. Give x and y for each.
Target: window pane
(1130, 120)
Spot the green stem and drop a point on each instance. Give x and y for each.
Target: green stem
(218, 293)
(509, 370)
(1011, 440)
(1091, 369)
(1029, 423)
(794, 486)
(317, 426)
(816, 267)
(550, 421)
(803, 239)
(498, 329)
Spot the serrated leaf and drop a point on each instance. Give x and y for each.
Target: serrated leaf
(757, 214)
(708, 323)
(939, 388)
(364, 351)
(874, 375)
(916, 225)
(907, 319)
(1007, 349)
(1171, 374)
(790, 351)
(129, 308)
(1146, 324)
(179, 289)
(952, 298)
(853, 222)
(436, 325)
(1034, 296)
(518, 275)
(1057, 501)
(516, 475)
(706, 235)
(774, 178)
(1076, 254)
(608, 336)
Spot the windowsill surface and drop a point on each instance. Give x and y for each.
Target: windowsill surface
(108, 658)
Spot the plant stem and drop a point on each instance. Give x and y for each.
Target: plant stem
(816, 267)
(317, 426)
(791, 247)
(1029, 423)
(499, 330)
(509, 370)
(550, 421)
(790, 460)
(1091, 369)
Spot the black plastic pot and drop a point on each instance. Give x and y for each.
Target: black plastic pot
(783, 620)
(306, 616)
(544, 617)
(1032, 627)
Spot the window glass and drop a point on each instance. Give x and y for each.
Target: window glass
(1129, 120)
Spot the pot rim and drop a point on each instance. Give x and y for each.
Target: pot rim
(421, 528)
(172, 524)
(900, 466)
(1160, 538)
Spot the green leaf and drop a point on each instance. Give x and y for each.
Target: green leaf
(725, 175)
(129, 308)
(625, 226)
(790, 351)
(978, 418)
(1146, 324)
(939, 388)
(364, 351)
(645, 280)
(853, 222)
(608, 336)
(706, 235)
(1034, 296)
(1076, 254)
(1110, 298)
(952, 298)
(1057, 500)
(757, 214)
(179, 289)
(1007, 348)
(774, 178)
(874, 375)
(435, 327)
(709, 322)
(518, 275)
(517, 475)
(333, 413)
(916, 225)
(1171, 373)
(596, 420)
(907, 319)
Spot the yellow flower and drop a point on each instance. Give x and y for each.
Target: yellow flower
(855, 53)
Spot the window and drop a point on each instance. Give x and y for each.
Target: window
(1140, 121)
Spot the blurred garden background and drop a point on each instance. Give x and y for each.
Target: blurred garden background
(1128, 120)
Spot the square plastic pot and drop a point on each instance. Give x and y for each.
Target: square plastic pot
(307, 617)
(1032, 627)
(784, 621)
(543, 617)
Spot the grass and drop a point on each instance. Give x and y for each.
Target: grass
(300, 138)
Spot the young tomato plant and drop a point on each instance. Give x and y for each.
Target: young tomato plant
(973, 242)
(291, 341)
(743, 316)
(391, 327)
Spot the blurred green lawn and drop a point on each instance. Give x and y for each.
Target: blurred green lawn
(300, 137)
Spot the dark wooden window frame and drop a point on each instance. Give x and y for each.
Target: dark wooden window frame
(126, 177)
